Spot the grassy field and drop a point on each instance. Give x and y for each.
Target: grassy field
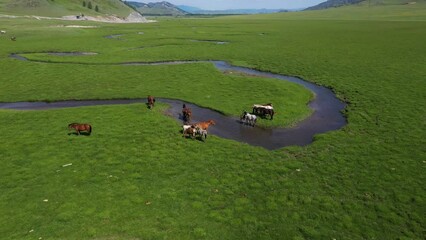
(137, 178)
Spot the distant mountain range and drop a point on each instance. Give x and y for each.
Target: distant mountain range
(156, 8)
(339, 3)
(194, 10)
(167, 9)
(333, 3)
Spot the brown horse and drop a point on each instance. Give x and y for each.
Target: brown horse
(151, 101)
(204, 125)
(186, 114)
(80, 127)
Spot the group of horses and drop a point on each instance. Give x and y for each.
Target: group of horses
(262, 110)
(194, 130)
(197, 129)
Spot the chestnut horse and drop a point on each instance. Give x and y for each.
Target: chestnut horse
(80, 127)
(186, 114)
(204, 125)
(151, 101)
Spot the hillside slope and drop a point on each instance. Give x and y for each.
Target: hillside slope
(57, 8)
(339, 3)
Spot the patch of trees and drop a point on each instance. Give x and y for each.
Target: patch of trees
(89, 6)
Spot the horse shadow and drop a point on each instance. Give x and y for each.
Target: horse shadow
(81, 133)
(198, 138)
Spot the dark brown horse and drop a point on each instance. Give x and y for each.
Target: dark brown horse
(264, 110)
(78, 127)
(151, 101)
(204, 125)
(186, 114)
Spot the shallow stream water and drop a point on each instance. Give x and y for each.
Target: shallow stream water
(327, 115)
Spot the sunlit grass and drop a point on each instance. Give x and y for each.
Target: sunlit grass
(137, 178)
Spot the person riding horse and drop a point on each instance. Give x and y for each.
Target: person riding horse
(151, 101)
(186, 114)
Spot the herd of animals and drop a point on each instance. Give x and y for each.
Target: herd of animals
(194, 130)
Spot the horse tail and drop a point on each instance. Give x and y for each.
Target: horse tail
(90, 129)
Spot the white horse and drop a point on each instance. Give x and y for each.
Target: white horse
(248, 118)
(265, 106)
(2, 32)
(202, 133)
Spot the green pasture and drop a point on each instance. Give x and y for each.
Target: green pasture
(135, 177)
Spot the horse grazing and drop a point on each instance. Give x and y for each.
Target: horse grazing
(151, 101)
(248, 118)
(264, 110)
(186, 114)
(78, 127)
(204, 125)
(13, 38)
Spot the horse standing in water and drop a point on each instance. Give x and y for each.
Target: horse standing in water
(80, 127)
(186, 114)
(204, 125)
(248, 118)
(151, 101)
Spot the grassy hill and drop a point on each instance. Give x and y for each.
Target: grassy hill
(340, 3)
(58, 8)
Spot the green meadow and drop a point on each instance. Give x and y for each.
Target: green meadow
(136, 177)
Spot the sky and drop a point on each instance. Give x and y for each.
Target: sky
(241, 4)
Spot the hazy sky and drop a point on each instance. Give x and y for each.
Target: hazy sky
(241, 4)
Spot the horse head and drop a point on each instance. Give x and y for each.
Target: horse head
(243, 116)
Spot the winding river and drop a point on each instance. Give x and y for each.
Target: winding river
(327, 115)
